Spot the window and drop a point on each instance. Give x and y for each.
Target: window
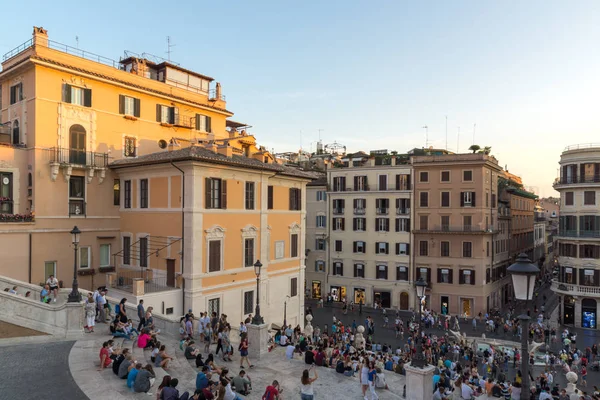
(359, 224)
(104, 255)
(381, 248)
(295, 199)
(338, 224)
(338, 206)
(402, 225)
(359, 270)
(214, 255)
(321, 221)
(401, 273)
(402, 206)
(467, 249)
(382, 182)
(445, 249)
(167, 115)
(444, 275)
(77, 195)
(467, 199)
(589, 251)
(85, 255)
(424, 176)
(445, 199)
(127, 194)
(382, 224)
(445, 223)
(589, 198)
(49, 267)
(214, 306)
(293, 287)
(338, 246)
(249, 203)
(116, 192)
(248, 252)
(487, 199)
(382, 272)
(143, 193)
(339, 184)
(424, 199)
(294, 245)
(359, 247)
(321, 195)
(402, 182)
(569, 198)
(320, 244)
(216, 193)
(129, 106)
(468, 176)
(203, 123)
(319, 266)
(467, 222)
(249, 302)
(360, 183)
(76, 95)
(16, 93)
(130, 147)
(144, 252)
(423, 222)
(126, 250)
(423, 248)
(270, 197)
(494, 200)
(487, 249)
(424, 273)
(382, 206)
(445, 176)
(338, 268)
(467, 277)
(402, 249)
(6, 191)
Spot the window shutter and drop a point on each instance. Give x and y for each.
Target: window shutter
(224, 194)
(387, 248)
(472, 199)
(407, 249)
(387, 225)
(121, 104)
(136, 107)
(439, 277)
(462, 199)
(197, 122)
(299, 199)
(354, 223)
(408, 225)
(397, 203)
(87, 97)
(355, 182)
(355, 271)
(397, 224)
(343, 224)
(472, 277)
(581, 223)
(158, 113)
(207, 193)
(386, 272)
(270, 197)
(208, 125)
(376, 224)
(450, 275)
(66, 93)
(376, 247)
(408, 182)
(291, 199)
(397, 248)
(428, 275)
(397, 182)
(364, 221)
(461, 277)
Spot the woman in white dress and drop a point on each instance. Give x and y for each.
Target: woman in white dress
(364, 376)
(90, 313)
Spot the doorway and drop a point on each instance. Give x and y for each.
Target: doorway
(404, 301)
(316, 289)
(385, 298)
(77, 145)
(444, 304)
(170, 272)
(569, 310)
(467, 307)
(359, 296)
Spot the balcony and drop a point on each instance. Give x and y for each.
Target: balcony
(579, 234)
(403, 211)
(575, 290)
(569, 180)
(6, 205)
(457, 229)
(382, 211)
(5, 137)
(7, 212)
(78, 158)
(360, 211)
(77, 208)
(367, 188)
(338, 211)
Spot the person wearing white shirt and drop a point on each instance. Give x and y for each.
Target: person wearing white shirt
(466, 391)
(53, 283)
(289, 351)
(283, 341)
(545, 395)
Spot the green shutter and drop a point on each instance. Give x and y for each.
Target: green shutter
(136, 107)
(158, 113)
(87, 97)
(121, 104)
(66, 95)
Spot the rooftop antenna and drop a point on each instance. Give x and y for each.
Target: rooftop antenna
(169, 45)
(320, 130)
(474, 125)
(446, 132)
(77, 41)
(426, 136)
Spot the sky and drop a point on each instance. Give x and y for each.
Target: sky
(520, 76)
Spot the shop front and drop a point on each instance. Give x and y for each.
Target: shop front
(338, 293)
(404, 301)
(444, 305)
(568, 316)
(588, 313)
(383, 298)
(466, 307)
(316, 289)
(359, 296)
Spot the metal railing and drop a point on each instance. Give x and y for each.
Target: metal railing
(459, 228)
(382, 211)
(582, 146)
(78, 157)
(213, 95)
(403, 211)
(360, 211)
(582, 234)
(565, 180)
(19, 49)
(338, 211)
(367, 188)
(575, 289)
(77, 208)
(124, 280)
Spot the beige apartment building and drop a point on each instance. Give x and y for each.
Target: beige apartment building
(456, 222)
(316, 237)
(369, 240)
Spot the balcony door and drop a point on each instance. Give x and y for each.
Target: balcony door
(77, 136)
(15, 132)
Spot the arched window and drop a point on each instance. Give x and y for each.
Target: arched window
(15, 131)
(77, 138)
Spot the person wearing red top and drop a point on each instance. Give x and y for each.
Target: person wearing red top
(105, 359)
(272, 392)
(143, 340)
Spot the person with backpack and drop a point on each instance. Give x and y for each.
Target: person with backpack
(273, 392)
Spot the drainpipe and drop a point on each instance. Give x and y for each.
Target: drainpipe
(30, 252)
(182, 233)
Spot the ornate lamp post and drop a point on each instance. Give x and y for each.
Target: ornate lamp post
(524, 274)
(285, 311)
(419, 360)
(75, 296)
(257, 319)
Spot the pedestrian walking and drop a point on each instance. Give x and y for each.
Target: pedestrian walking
(141, 312)
(243, 348)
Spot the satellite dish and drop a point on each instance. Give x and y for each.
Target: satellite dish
(162, 144)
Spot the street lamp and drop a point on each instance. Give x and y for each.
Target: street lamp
(75, 296)
(524, 274)
(285, 311)
(257, 319)
(419, 360)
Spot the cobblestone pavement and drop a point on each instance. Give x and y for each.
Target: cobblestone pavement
(38, 371)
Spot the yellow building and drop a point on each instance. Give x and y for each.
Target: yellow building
(138, 154)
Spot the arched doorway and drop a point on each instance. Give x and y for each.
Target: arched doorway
(16, 136)
(77, 138)
(404, 301)
(588, 313)
(568, 310)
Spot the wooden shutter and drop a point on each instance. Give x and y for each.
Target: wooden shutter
(397, 182)
(208, 125)
(397, 248)
(473, 277)
(121, 104)
(428, 275)
(376, 247)
(462, 199)
(87, 97)
(450, 275)
(270, 197)
(158, 113)
(386, 272)
(224, 194)
(472, 199)
(343, 224)
(136, 107)
(364, 224)
(197, 125)
(66, 93)
(354, 223)
(376, 224)
(355, 271)
(439, 275)
(291, 199)
(355, 183)
(214, 254)
(397, 224)
(342, 269)
(207, 203)
(387, 248)
(407, 249)
(407, 182)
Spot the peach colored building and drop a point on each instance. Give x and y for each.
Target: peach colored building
(138, 154)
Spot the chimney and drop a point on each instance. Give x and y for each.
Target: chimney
(218, 91)
(225, 150)
(212, 146)
(40, 36)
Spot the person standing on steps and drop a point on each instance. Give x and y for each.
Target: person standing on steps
(306, 387)
(90, 313)
(53, 283)
(243, 348)
(141, 312)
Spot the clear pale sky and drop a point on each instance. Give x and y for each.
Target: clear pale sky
(370, 74)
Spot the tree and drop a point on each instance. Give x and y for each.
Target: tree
(474, 148)
(486, 150)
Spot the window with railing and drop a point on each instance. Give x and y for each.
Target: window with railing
(6, 193)
(382, 224)
(361, 183)
(360, 206)
(76, 196)
(248, 302)
(339, 206)
(382, 206)
(339, 184)
(403, 206)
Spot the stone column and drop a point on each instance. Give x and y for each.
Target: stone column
(419, 382)
(258, 337)
(578, 312)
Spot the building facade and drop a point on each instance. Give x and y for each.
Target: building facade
(316, 237)
(369, 240)
(456, 223)
(578, 237)
(139, 154)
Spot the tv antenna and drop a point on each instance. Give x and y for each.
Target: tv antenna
(426, 136)
(77, 41)
(169, 45)
(446, 132)
(320, 130)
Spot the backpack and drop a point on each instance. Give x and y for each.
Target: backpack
(117, 309)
